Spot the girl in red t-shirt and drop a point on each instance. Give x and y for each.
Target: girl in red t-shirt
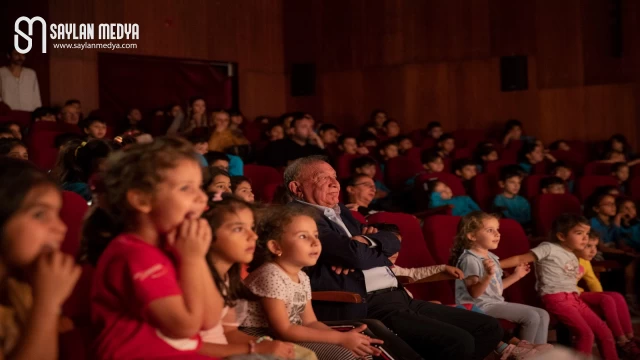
(35, 277)
(152, 290)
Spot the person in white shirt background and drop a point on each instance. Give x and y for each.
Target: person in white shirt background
(19, 85)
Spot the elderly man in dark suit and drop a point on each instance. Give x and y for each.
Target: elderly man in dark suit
(355, 258)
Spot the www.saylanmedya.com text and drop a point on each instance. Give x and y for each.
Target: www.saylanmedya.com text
(86, 45)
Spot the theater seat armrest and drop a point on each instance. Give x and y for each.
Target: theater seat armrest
(337, 296)
(440, 210)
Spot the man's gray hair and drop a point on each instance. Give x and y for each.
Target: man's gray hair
(293, 171)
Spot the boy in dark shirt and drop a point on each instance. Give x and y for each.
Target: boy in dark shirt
(280, 153)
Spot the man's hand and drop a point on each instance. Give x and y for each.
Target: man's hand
(367, 230)
(341, 271)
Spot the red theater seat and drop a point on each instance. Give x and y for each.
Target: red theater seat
(547, 207)
(531, 186)
(438, 232)
(597, 168)
(74, 208)
(260, 177)
(588, 184)
(414, 253)
(484, 188)
(398, 170)
(493, 167)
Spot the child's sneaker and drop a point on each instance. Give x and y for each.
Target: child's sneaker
(629, 351)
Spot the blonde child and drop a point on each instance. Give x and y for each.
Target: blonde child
(611, 304)
(35, 277)
(288, 242)
(557, 269)
(483, 283)
(152, 291)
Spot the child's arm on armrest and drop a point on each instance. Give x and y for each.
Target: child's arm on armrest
(517, 260)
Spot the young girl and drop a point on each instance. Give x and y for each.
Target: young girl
(532, 153)
(557, 269)
(14, 148)
(440, 194)
(611, 304)
(152, 291)
(483, 282)
(218, 180)
(233, 244)
(35, 277)
(77, 161)
(288, 242)
(241, 187)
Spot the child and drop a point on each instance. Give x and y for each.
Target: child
(241, 187)
(367, 139)
(563, 171)
(404, 143)
(513, 130)
(152, 291)
(439, 194)
(530, 155)
(13, 128)
(275, 132)
(348, 145)
(620, 171)
(611, 304)
(218, 160)
(431, 163)
(485, 152)
(367, 165)
(604, 219)
(388, 150)
(512, 205)
(466, 170)
(557, 269)
(328, 134)
(391, 128)
(445, 145)
(200, 143)
(483, 282)
(288, 242)
(77, 162)
(6, 133)
(217, 180)
(630, 226)
(617, 149)
(13, 148)
(560, 145)
(434, 129)
(43, 114)
(36, 277)
(552, 185)
(95, 128)
(233, 244)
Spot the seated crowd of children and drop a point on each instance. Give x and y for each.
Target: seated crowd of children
(168, 251)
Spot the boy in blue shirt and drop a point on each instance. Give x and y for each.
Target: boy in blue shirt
(512, 205)
(431, 163)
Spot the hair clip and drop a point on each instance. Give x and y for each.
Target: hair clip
(79, 147)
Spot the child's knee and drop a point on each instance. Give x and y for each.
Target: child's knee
(544, 316)
(585, 334)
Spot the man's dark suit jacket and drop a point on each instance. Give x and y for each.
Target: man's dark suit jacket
(339, 250)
